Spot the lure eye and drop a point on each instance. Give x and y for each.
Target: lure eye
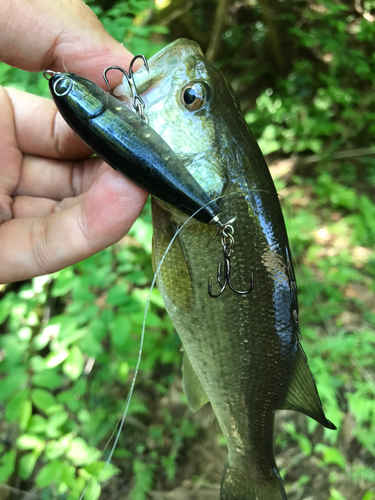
(194, 96)
(62, 86)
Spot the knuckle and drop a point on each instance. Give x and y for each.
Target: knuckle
(38, 240)
(59, 206)
(77, 178)
(6, 212)
(56, 133)
(82, 225)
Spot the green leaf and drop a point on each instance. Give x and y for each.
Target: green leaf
(14, 349)
(120, 329)
(91, 346)
(14, 407)
(56, 358)
(25, 414)
(55, 409)
(123, 371)
(80, 453)
(70, 399)
(98, 328)
(56, 449)
(144, 475)
(369, 495)
(55, 422)
(49, 379)
(50, 473)
(156, 298)
(335, 494)
(49, 332)
(69, 477)
(117, 295)
(7, 464)
(30, 442)
(13, 382)
(37, 424)
(42, 399)
(93, 490)
(74, 363)
(27, 464)
(102, 470)
(64, 283)
(67, 329)
(331, 455)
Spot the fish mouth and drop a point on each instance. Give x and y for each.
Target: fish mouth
(170, 71)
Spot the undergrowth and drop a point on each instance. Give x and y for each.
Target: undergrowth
(69, 342)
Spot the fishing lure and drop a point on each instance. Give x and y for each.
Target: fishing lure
(226, 231)
(128, 144)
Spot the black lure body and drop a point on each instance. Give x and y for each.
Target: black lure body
(129, 145)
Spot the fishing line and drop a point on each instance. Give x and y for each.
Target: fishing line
(290, 206)
(120, 424)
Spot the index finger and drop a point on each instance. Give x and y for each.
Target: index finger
(60, 36)
(48, 137)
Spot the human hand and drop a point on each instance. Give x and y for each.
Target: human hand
(57, 205)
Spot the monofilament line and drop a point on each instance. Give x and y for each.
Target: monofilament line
(131, 390)
(121, 423)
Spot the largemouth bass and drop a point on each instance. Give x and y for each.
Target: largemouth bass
(241, 352)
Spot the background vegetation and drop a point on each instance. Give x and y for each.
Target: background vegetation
(304, 73)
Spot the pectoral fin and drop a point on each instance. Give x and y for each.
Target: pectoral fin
(193, 389)
(174, 276)
(302, 394)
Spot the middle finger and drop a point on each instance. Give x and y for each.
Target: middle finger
(54, 179)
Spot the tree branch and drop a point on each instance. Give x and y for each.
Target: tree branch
(217, 29)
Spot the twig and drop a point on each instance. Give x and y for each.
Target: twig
(284, 168)
(175, 14)
(269, 21)
(340, 155)
(27, 495)
(217, 29)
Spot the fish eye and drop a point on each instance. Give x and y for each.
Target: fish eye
(194, 96)
(62, 86)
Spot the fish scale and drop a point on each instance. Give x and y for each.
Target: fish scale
(242, 353)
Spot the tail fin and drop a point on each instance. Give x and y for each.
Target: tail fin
(237, 485)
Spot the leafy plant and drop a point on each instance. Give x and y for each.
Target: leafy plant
(70, 341)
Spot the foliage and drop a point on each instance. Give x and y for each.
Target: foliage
(325, 110)
(71, 345)
(70, 341)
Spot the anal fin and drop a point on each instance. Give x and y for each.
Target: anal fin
(193, 388)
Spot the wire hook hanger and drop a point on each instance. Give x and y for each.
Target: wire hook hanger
(137, 101)
(227, 240)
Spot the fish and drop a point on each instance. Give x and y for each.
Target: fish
(242, 353)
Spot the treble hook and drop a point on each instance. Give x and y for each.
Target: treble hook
(115, 67)
(137, 101)
(227, 240)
